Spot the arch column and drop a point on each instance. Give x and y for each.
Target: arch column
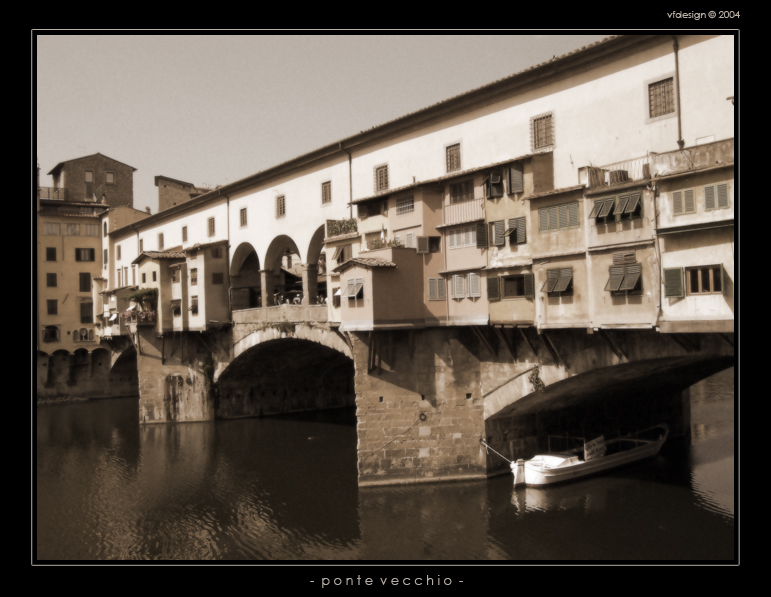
(310, 283)
(266, 287)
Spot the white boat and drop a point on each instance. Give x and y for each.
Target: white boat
(598, 456)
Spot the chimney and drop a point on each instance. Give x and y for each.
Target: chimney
(147, 209)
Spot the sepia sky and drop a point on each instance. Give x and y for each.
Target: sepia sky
(213, 109)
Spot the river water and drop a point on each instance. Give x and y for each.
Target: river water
(285, 489)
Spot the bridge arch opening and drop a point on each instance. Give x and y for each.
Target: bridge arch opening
(317, 265)
(283, 277)
(285, 375)
(245, 278)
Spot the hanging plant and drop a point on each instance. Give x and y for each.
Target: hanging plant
(144, 296)
(535, 379)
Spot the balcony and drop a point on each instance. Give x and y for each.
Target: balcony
(616, 173)
(465, 211)
(145, 317)
(52, 193)
(341, 227)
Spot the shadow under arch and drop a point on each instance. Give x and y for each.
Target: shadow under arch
(277, 249)
(315, 246)
(245, 278)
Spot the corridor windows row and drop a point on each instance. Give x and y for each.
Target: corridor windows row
(558, 217)
(616, 209)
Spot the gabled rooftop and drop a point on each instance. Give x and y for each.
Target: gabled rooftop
(60, 164)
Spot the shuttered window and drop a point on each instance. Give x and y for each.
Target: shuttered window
(51, 253)
(184, 234)
(462, 237)
(722, 196)
(616, 277)
(458, 287)
(518, 286)
(621, 204)
(716, 197)
(358, 289)
(557, 217)
(52, 306)
(623, 278)
(72, 229)
(493, 289)
(92, 229)
(481, 234)
(623, 257)
(85, 282)
(552, 277)
(210, 227)
(496, 231)
(87, 312)
(516, 179)
(493, 184)
(516, 232)
(51, 280)
(673, 282)
(53, 229)
(409, 240)
(474, 289)
(453, 157)
(85, 255)
(683, 203)
(632, 277)
(432, 289)
(565, 279)
(559, 281)
(194, 277)
(422, 244)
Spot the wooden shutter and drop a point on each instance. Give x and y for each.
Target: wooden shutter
(722, 279)
(553, 220)
(606, 207)
(496, 184)
(481, 235)
(632, 277)
(521, 231)
(677, 202)
(473, 285)
(565, 276)
(634, 201)
(552, 277)
(432, 288)
(573, 214)
(409, 240)
(673, 282)
(467, 240)
(563, 211)
(690, 207)
(529, 285)
(621, 205)
(458, 286)
(516, 180)
(596, 209)
(338, 250)
(422, 244)
(623, 257)
(498, 239)
(451, 239)
(722, 196)
(616, 277)
(543, 219)
(440, 291)
(709, 198)
(493, 289)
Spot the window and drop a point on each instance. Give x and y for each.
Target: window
(462, 191)
(336, 298)
(436, 289)
(51, 280)
(217, 278)
(92, 229)
(141, 245)
(184, 234)
(104, 258)
(52, 307)
(144, 278)
(558, 217)
(616, 209)
(155, 277)
(558, 281)
(87, 312)
(280, 206)
(89, 176)
(160, 242)
(210, 226)
(542, 131)
(409, 240)
(50, 253)
(104, 229)
(627, 278)
(176, 309)
(518, 286)
(458, 287)
(712, 192)
(683, 203)
(242, 216)
(704, 280)
(85, 255)
(453, 157)
(496, 234)
(343, 254)
(194, 277)
(117, 254)
(53, 229)
(72, 229)
(85, 282)
(194, 305)
(405, 206)
(50, 333)
(355, 288)
(373, 208)
(661, 98)
(516, 232)
(381, 178)
(175, 276)
(429, 244)
(109, 177)
(516, 179)
(216, 252)
(463, 237)
(493, 184)
(326, 192)
(474, 286)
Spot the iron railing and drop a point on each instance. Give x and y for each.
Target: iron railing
(53, 193)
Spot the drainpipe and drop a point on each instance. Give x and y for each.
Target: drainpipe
(657, 252)
(227, 256)
(680, 141)
(350, 181)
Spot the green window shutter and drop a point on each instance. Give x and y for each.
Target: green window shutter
(516, 180)
(529, 286)
(521, 231)
(634, 201)
(553, 221)
(709, 198)
(673, 282)
(633, 273)
(616, 277)
(552, 277)
(573, 214)
(596, 209)
(493, 289)
(481, 235)
(565, 276)
(722, 196)
(606, 207)
(690, 206)
(543, 219)
(432, 288)
(440, 291)
(621, 205)
(498, 238)
(563, 210)
(677, 202)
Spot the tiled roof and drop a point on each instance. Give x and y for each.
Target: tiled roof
(88, 156)
(555, 191)
(366, 262)
(160, 255)
(198, 246)
(342, 237)
(66, 214)
(463, 269)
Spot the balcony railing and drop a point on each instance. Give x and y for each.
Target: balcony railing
(465, 211)
(620, 172)
(52, 193)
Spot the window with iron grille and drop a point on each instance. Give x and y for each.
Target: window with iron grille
(559, 281)
(53, 229)
(704, 280)
(280, 206)
(50, 253)
(326, 192)
(558, 217)
(716, 196)
(184, 234)
(436, 289)
(624, 279)
(453, 157)
(217, 278)
(51, 280)
(243, 216)
(85, 255)
(85, 282)
(87, 313)
(462, 191)
(381, 178)
(72, 229)
(52, 306)
(542, 131)
(160, 242)
(193, 277)
(210, 226)
(117, 254)
(405, 206)
(661, 98)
